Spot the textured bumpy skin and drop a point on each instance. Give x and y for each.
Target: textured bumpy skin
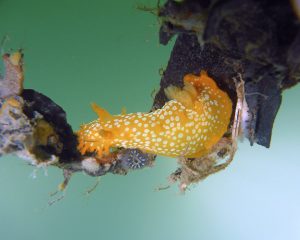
(195, 118)
(12, 83)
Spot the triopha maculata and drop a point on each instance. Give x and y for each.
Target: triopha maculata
(195, 118)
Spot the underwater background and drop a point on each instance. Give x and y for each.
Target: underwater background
(108, 52)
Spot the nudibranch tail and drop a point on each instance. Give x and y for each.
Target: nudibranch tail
(189, 125)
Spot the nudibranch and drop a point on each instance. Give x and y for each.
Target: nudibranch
(193, 120)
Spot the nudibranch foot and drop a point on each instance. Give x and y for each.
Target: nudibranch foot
(189, 125)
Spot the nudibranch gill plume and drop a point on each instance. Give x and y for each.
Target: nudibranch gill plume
(193, 120)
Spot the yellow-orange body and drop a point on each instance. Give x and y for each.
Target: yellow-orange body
(195, 118)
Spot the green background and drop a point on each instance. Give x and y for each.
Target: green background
(78, 52)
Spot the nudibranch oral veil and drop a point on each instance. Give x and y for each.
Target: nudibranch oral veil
(195, 119)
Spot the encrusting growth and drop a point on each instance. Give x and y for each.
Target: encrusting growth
(12, 83)
(189, 125)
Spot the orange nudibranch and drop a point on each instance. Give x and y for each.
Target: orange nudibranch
(195, 119)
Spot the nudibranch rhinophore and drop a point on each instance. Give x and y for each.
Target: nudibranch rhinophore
(195, 119)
